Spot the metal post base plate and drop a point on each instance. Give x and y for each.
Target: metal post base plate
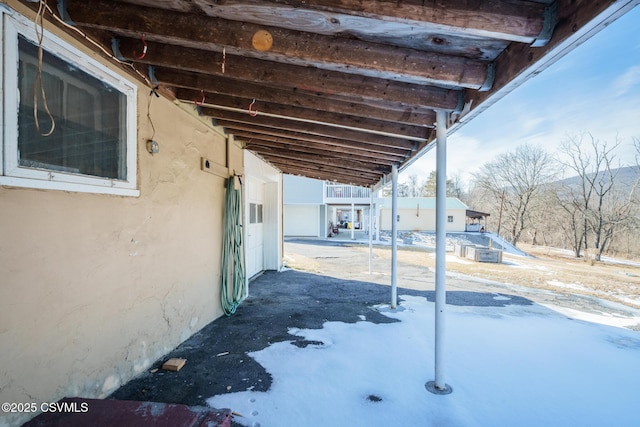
(431, 387)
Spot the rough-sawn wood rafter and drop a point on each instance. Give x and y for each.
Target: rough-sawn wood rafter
(344, 89)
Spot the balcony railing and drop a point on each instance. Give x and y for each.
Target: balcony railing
(339, 191)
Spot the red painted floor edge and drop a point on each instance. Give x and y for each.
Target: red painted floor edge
(80, 412)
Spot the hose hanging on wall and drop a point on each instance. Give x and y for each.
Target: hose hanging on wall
(233, 281)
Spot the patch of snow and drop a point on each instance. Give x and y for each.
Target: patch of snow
(628, 300)
(453, 258)
(601, 318)
(513, 365)
(610, 260)
(559, 284)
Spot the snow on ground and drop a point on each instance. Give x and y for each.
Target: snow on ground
(573, 286)
(508, 365)
(427, 239)
(604, 318)
(611, 260)
(453, 258)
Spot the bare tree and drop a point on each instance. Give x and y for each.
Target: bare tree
(615, 216)
(513, 180)
(414, 186)
(455, 187)
(570, 221)
(596, 198)
(541, 231)
(602, 209)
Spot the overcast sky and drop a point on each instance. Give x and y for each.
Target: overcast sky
(595, 89)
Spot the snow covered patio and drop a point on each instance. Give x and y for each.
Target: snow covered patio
(314, 350)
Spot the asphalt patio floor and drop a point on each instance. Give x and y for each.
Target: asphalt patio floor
(217, 356)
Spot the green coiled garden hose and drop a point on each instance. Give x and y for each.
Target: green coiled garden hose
(233, 281)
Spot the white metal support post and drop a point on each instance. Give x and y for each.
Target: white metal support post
(353, 220)
(371, 231)
(439, 386)
(394, 236)
(326, 220)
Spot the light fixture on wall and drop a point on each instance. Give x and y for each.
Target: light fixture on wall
(152, 146)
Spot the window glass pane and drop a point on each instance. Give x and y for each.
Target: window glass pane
(259, 214)
(90, 125)
(252, 213)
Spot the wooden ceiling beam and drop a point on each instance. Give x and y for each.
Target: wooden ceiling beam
(325, 176)
(357, 149)
(259, 147)
(314, 129)
(295, 47)
(295, 78)
(312, 159)
(315, 116)
(323, 116)
(391, 112)
(266, 142)
(325, 168)
(513, 21)
(391, 153)
(326, 156)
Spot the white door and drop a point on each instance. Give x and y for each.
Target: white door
(254, 218)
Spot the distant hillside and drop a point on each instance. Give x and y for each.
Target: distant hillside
(624, 177)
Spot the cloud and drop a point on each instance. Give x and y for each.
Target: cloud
(627, 81)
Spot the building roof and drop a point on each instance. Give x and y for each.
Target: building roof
(476, 214)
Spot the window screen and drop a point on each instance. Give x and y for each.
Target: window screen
(90, 124)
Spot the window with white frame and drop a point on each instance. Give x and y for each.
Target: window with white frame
(89, 111)
(450, 218)
(255, 213)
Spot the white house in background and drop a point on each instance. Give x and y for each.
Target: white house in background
(419, 214)
(312, 206)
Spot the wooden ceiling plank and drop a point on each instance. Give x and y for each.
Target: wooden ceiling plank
(327, 152)
(324, 176)
(512, 21)
(343, 148)
(308, 49)
(314, 129)
(391, 153)
(421, 123)
(325, 157)
(392, 112)
(321, 167)
(318, 116)
(324, 161)
(308, 79)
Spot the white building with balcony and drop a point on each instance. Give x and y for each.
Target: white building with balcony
(314, 208)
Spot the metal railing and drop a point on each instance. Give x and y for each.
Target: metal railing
(339, 191)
